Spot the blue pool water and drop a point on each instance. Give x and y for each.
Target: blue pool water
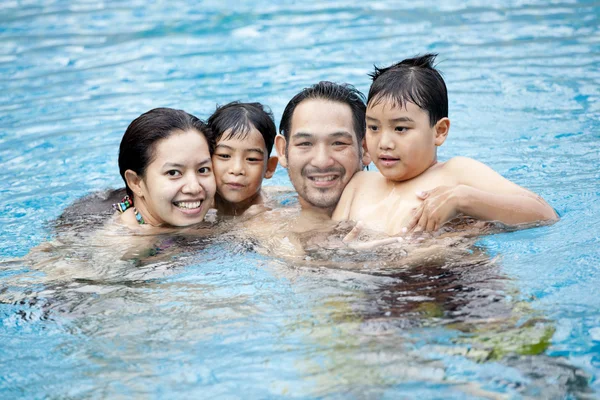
(222, 321)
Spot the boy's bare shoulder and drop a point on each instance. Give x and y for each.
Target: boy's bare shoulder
(460, 162)
(458, 167)
(474, 173)
(370, 178)
(361, 184)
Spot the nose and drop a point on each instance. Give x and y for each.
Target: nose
(236, 166)
(322, 157)
(386, 142)
(192, 185)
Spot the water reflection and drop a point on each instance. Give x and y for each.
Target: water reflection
(362, 323)
(368, 324)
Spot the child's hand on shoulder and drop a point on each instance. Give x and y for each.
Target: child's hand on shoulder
(439, 206)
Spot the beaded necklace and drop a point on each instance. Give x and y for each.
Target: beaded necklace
(125, 204)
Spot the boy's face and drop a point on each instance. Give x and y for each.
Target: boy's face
(240, 166)
(322, 154)
(401, 142)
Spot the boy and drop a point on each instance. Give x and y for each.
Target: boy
(407, 119)
(244, 134)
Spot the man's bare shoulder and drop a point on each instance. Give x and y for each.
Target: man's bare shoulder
(270, 221)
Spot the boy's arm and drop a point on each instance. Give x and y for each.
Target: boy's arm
(481, 193)
(344, 206)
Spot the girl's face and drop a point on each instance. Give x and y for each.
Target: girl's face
(178, 187)
(240, 166)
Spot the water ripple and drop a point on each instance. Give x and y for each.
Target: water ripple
(524, 87)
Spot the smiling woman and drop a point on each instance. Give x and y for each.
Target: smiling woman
(164, 159)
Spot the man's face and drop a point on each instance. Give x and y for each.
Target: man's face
(322, 154)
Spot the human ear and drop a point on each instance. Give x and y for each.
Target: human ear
(441, 131)
(134, 181)
(366, 157)
(271, 166)
(280, 146)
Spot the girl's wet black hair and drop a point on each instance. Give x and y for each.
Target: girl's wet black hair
(412, 80)
(324, 90)
(239, 118)
(137, 147)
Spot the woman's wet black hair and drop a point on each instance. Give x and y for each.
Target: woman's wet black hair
(412, 80)
(137, 147)
(239, 119)
(324, 90)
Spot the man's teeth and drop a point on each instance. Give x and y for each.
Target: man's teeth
(323, 178)
(188, 204)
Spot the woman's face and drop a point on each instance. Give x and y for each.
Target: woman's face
(178, 187)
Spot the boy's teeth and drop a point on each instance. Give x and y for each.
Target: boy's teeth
(323, 178)
(188, 204)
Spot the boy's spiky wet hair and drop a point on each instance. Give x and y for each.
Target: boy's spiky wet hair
(412, 80)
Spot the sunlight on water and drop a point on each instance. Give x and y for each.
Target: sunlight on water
(507, 315)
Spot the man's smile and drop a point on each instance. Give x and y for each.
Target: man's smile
(324, 178)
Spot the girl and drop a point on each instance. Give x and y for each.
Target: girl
(244, 134)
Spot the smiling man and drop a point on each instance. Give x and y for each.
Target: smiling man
(321, 143)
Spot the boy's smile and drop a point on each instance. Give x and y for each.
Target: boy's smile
(401, 141)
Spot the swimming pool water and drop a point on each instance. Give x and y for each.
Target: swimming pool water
(222, 321)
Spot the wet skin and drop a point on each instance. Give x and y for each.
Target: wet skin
(178, 186)
(322, 154)
(240, 165)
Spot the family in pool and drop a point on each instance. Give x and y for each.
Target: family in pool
(176, 167)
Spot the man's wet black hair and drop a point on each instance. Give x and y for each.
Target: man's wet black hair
(412, 80)
(324, 90)
(139, 142)
(239, 118)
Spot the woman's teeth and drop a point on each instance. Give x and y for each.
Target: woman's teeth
(188, 204)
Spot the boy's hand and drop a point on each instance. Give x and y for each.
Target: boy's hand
(439, 206)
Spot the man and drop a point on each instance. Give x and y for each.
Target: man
(321, 143)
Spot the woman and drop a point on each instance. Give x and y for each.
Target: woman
(165, 162)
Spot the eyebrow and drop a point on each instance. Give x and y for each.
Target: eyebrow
(333, 134)
(255, 149)
(177, 165)
(401, 119)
